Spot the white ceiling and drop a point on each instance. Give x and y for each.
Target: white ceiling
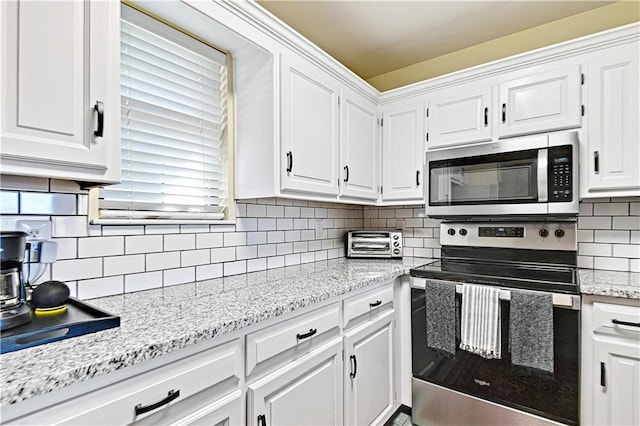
(374, 37)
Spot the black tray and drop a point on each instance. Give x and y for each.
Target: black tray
(79, 318)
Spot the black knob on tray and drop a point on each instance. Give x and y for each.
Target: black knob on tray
(49, 294)
(451, 231)
(559, 233)
(544, 233)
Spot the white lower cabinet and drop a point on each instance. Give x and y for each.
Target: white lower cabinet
(369, 372)
(192, 390)
(226, 411)
(307, 391)
(610, 361)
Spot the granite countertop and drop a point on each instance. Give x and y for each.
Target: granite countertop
(610, 283)
(159, 321)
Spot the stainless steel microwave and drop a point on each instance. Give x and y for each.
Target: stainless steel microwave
(532, 176)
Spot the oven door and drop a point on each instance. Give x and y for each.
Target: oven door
(490, 391)
(519, 176)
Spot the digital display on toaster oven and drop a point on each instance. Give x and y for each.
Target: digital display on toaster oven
(501, 231)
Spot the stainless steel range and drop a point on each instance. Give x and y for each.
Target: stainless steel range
(512, 259)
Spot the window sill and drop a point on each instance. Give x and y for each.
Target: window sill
(161, 222)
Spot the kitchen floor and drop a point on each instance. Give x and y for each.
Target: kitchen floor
(400, 418)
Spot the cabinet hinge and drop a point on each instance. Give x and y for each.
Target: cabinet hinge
(381, 122)
(395, 396)
(427, 112)
(582, 107)
(427, 136)
(603, 379)
(381, 189)
(338, 100)
(582, 78)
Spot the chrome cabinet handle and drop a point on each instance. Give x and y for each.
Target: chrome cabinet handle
(346, 170)
(486, 116)
(504, 113)
(596, 162)
(99, 108)
(172, 395)
(376, 303)
(417, 177)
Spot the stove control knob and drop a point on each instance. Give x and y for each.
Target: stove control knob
(558, 233)
(463, 232)
(544, 233)
(396, 251)
(451, 231)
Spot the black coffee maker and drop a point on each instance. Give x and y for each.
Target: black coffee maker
(14, 310)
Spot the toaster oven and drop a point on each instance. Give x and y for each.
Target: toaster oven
(376, 244)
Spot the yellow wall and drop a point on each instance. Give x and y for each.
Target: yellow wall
(592, 21)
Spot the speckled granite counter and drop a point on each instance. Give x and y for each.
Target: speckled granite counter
(610, 283)
(160, 321)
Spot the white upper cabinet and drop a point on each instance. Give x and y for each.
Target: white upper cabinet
(540, 102)
(610, 162)
(309, 128)
(60, 90)
(358, 147)
(460, 115)
(403, 150)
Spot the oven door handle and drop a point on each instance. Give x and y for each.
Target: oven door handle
(543, 177)
(560, 300)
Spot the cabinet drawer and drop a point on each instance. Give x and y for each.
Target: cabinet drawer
(616, 320)
(372, 301)
(300, 332)
(193, 379)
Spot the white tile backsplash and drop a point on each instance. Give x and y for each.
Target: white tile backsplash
(144, 281)
(100, 246)
(121, 265)
(269, 233)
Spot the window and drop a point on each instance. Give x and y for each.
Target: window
(175, 162)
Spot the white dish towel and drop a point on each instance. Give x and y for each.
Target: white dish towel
(480, 321)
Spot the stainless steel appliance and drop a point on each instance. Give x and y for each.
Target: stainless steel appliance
(374, 244)
(14, 310)
(529, 176)
(465, 388)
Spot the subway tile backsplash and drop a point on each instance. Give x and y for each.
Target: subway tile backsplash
(269, 233)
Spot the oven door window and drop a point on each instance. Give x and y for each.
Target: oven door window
(492, 179)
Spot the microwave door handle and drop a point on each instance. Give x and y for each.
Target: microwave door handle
(543, 163)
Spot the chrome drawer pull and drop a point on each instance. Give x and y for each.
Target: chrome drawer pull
(376, 303)
(172, 395)
(311, 332)
(630, 324)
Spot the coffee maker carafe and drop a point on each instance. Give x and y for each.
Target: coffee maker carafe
(14, 310)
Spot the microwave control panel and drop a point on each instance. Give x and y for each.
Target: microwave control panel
(560, 174)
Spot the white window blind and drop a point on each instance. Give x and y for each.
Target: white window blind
(173, 126)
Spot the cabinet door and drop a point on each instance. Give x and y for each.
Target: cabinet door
(309, 155)
(358, 147)
(617, 371)
(541, 102)
(403, 152)
(225, 411)
(369, 376)
(62, 59)
(307, 391)
(611, 161)
(460, 115)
